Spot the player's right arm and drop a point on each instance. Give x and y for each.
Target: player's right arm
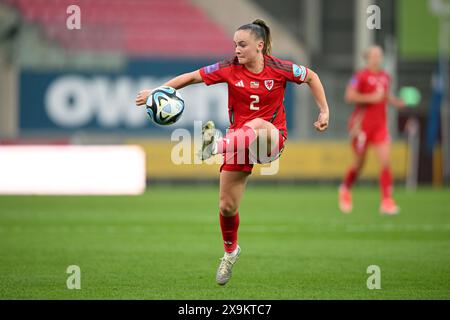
(185, 80)
(215, 73)
(178, 82)
(353, 96)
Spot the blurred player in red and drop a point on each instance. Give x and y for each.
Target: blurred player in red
(256, 84)
(369, 91)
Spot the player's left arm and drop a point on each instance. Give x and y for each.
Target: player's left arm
(317, 90)
(396, 102)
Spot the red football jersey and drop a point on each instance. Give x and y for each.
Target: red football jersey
(370, 116)
(253, 95)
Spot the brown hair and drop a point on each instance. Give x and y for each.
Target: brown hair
(261, 31)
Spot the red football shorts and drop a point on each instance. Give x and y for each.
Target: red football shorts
(363, 138)
(244, 161)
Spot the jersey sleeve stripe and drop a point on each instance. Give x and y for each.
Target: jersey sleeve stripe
(227, 63)
(278, 66)
(281, 64)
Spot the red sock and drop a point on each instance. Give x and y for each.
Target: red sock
(386, 182)
(237, 140)
(229, 226)
(350, 177)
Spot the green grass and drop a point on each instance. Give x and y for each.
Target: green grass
(166, 244)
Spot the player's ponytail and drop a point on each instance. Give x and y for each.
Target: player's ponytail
(261, 31)
(267, 36)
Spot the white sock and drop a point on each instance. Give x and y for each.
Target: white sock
(232, 254)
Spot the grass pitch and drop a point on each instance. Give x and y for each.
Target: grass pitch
(166, 244)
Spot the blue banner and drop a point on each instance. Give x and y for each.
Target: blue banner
(68, 102)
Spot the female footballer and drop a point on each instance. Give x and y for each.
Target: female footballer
(256, 84)
(369, 90)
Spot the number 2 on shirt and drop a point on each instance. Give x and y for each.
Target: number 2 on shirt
(255, 99)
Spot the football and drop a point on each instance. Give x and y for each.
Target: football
(165, 105)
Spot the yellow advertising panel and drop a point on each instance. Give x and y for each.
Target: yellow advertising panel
(300, 160)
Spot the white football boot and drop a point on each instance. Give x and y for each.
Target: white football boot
(210, 135)
(226, 265)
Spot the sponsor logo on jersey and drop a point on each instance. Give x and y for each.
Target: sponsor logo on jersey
(212, 68)
(268, 84)
(240, 83)
(299, 71)
(254, 84)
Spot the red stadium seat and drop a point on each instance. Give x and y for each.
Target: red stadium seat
(136, 27)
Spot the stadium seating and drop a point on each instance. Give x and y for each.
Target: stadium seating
(137, 27)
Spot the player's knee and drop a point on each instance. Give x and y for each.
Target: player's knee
(384, 162)
(227, 208)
